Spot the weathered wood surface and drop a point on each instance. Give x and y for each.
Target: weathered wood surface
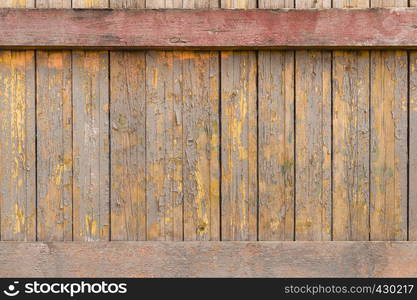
(209, 28)
(276, 140)
(389, 141)
(17, 141)
(351, 138)
(208, 259)
(91, 151)
(413, 147)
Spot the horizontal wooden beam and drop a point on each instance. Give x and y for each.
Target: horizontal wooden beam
(208, 259)
(198, 29)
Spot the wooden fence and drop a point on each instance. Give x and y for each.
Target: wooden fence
(208, 145)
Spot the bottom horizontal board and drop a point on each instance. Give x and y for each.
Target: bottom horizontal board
(208, 259)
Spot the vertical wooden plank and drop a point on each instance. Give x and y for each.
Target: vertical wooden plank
(91, 140)
(276, 140)
(412, 234)
(351, 140)
(164, 122)
(388, 141)
(127, 3)
(201, 145)
(53, 3)
(91, 145)
(388, 145)
(239, 140)
(412, 213)
(351, 145)
(54, 140)
(313, 139)
(17, 3)
(17, 135)
(128, 202)
(164, 140)
(127, 136)
(54, 150)
(17, 147)
(201, 140)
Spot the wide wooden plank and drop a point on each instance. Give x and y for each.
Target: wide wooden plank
(351, 135)
(209, 28)
(209, 259)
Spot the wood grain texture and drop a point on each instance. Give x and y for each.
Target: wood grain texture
(197, 29)
(91, 195)
(239, 187)
(351, 135)
(276, 145)
(54, 145)
(91, 145)
(17, 136)
(276, 139)
(164, 140)
(127, 3)
(209, 259)
(201, 145)
(351, 145)
(128, 149)
(239, 145)
(412, 233)
(164, 136)
(201, 141)
(17, 147)
(388, 145)
(313, 145)
(54, 140)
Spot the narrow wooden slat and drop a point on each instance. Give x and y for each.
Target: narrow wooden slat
(350, 3)
(91, 155)
(220, 29)
(53, 3)
(351, 136)
(412, 204)
(201, 148)
(276, 140)
(389, 150)
(17, 146)
(388, 145)
(91, 145)
(313, 140)
(54, 150)
(127, 3)
(127, 136)
(209, 259)
(128, 154)
(164, 142)
(54, 140)
(239, 141)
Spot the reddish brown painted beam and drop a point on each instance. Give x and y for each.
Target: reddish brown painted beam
(106, 28)
(208, 259)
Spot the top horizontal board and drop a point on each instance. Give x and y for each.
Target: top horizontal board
(215, 29)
